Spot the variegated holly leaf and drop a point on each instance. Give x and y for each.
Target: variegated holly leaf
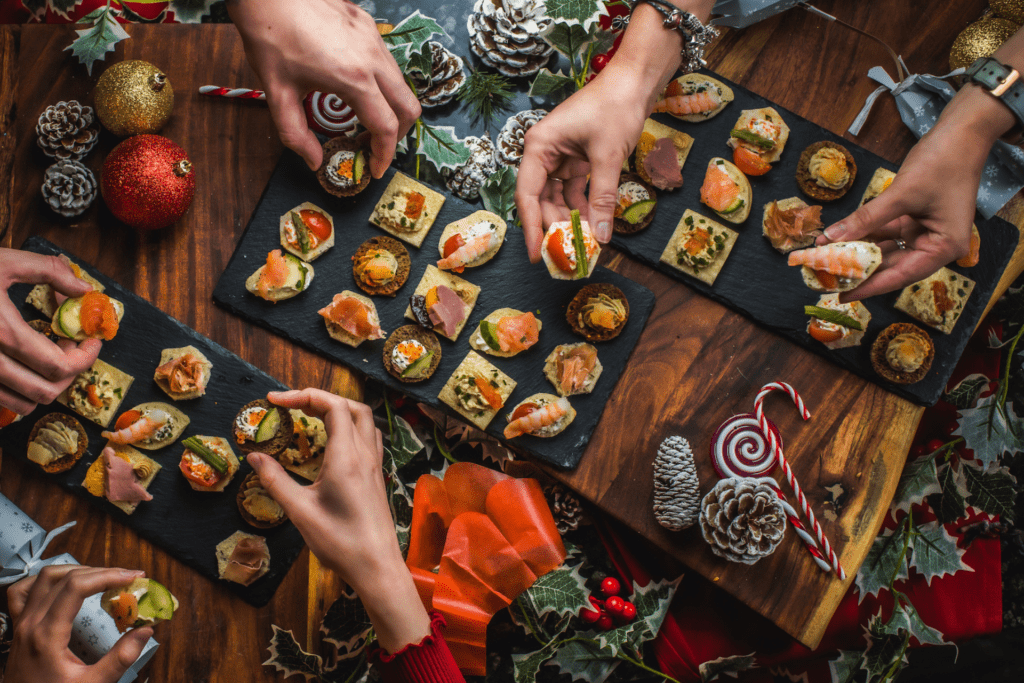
(400, 501)
(403, 444)
(950, 505)
(1012, 304)
(289, 658)
(499, 193)
(408, 40)
(729, 666)
(62, 7)
(884, 561)
(346, 625)
(964, 394)
(582, 12)
(584, 661)
(988, 431)
(190, 11)
(569, 39)
(935, 553)
(993, 492)
(919, 480)
(555, 86)
(905, 618)
(651, 602)
(562, 591)
(94, 43)
(885, 653)
(136, 18)
(440, 146)
(845, 667)
(527, 666)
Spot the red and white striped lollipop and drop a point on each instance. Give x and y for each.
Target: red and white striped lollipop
(328, 114)
(740, 449)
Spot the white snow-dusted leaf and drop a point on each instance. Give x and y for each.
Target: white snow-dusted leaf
(882, 563)
(964, 394)
(93, 43)
(919, 480)
(346, 625)
(935, 553)
(584, 662)
(905, 617)
(844, 667)
(402, 444)
(988, 432)
(403, 145)
(190, 11)
(440, 146)
(729, 666)
(885, 653)
(951, 505)
(526, 666)
(583, 12)
(562, 591)
(993, 492)
(407, 42)
(289, 658)
(551, 85)
(651, 602)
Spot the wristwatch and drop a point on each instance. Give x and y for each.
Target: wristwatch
(1003, 82)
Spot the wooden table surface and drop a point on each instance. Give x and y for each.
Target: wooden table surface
(694, 366)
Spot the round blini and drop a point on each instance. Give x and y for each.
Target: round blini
(575, 308)
(746, 192)
(769, 114)
(271, 514)
(401, 254)
(551, 369)
(621, 225)
(359, 145)
(881, 345)
(222, 448)
(695, 83)
(65, 463)
(167, 355)
(463, 227)
(860, 313)
(425, 337)
(807, 183)
(541, 400)
(275, 444)
(554, 270)
(476, 340)
(178, 422)
(312, 254)
(337, 332)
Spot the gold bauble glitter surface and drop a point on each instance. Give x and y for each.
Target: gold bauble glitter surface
(980, 39)
(133, 97)
(1009, 9)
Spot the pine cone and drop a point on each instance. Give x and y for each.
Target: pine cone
(466, 180)
(69, 188)
(676, 488)
(509, 148)
(506, 35)
(447, 75)
(565, 508)
(742, 519)
(66, 131)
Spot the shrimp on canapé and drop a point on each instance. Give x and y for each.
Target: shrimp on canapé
(537, 419)
(469, 252)
(143, 428)
(843, 259)
(683, 105)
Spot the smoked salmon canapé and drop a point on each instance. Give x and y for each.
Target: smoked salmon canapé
(570, 251)
(726, 191)
(412, 354)
(183, 373)
(573, 368)
(837, 267)
(352, 319)
(307, 231)
(791, 224)
(91, 316)
(506, 332)
(761, 131)
(471, 241)
(837, 325)
(543, 415)
(477, 390)
(282, 277)
(694, 98)
(381, 266)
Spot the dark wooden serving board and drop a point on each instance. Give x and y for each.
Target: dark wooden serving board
(187, 523)
(508, 280)
(756, 280)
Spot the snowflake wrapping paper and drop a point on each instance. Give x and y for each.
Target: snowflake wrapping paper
(22, 543)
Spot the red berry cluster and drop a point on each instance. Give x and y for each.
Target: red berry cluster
(612, 611)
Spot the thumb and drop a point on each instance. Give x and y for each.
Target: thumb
(290, 119)
(604, 195)
(876, 219)
(282, 488)
(124, 653)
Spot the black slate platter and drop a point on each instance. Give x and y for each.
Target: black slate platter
(508, 280)
(186, 523)
(756, 280)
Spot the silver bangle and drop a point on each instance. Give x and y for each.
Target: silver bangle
(695, 34)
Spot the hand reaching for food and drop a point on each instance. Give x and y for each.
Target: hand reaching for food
(345, 517)
(332, 46)
(33, 369)
(43, 608)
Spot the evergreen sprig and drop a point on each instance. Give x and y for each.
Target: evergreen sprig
(486, 94)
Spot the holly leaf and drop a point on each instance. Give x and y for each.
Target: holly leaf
(400, 501)
(291, 660)
(403, 444)
(526, 666)
(964, 394)
(883, 562)
(885, 653)
(498, 193)
(651, 602)
(992, 492)
(569, 39)
(1013, 305)
(951, 506)
(988, 431)
(584, 662)
(136, 18)
(919, 480)
(93, 43)
(562, 591)
(905, 618)
(603, 41)
(551, 85)
(935, 552)
(190, 11)
(346, 625)
(844, 667)
(407, 41)
(730, 666)
(582, 12)
(440, 146)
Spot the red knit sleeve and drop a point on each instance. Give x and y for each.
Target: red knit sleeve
(428, 661)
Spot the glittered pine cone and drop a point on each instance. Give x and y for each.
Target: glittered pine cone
(466, 180)
(69, 188)
(742, 519)
(506, 35)
(511, 139)
(447, 75)
(676, 487)
(65, 131)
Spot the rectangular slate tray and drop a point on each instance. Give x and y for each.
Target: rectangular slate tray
(186, 523)
(756, 280)
(508, 280)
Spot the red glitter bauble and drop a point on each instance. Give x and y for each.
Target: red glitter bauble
(148, 182)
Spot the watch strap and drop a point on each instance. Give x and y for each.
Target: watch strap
(1001, 81)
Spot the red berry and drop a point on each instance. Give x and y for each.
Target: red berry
(614, 605)
(934, 445)
(605, 623)
(918, 450)
(598, 62)
(610, 586)
(589, 616)
(949, 427)
(597, 603)
(628, 611)
(591, 77)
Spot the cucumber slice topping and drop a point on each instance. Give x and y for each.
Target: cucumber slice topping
(734, 207)
(582, 262)
(301, 231)
(358, 163)
(156, 603)
(639, 211)
(834, 317)
(68, 317)
(268, 426)
(297, 267)
(418, 366)
(489, 333)
(212, 458)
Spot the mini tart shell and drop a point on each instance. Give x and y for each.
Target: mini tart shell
(345, 144)
(253, 482)
(425, 337)
(624, 227)
(68, 461)
(271, 446)
(881, 365)
(812, 189)
(572, 312)
(401, 254)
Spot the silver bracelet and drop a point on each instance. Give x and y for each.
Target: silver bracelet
(695, 34)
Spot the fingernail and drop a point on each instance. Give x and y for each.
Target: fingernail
(133, 573)
(143, 633)
(835, 232)
(604, 231)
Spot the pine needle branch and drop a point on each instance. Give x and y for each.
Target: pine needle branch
(486, 94)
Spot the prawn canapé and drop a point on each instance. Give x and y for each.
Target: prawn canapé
(543, 415)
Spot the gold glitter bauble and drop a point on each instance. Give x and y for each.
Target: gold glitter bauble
(133, 97)
(1009, 9)
(980, 39)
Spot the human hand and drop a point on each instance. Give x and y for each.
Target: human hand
(33, 369)
(332, 46)
(44, 607)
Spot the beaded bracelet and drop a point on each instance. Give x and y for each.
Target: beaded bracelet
(695, 34)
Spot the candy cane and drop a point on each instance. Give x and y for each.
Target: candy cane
(739, 448)
(238, 93)
(325, 113)
(776, 445)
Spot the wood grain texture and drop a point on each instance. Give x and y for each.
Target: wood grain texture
(697, 363)
(8, 69)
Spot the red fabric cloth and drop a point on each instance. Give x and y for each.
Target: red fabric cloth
(429, 661)
(14, 12)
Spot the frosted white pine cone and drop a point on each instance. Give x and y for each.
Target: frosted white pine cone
(69, 188)
(465, 181)
(676, 488)
(65, 131)
(507, 35)
(742, 519)
(511, 139)
(447, 76)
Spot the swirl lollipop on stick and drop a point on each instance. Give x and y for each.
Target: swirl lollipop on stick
(325, 113)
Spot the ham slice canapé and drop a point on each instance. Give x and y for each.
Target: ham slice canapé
(449, 310)
(247, 560)
(122, 485)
